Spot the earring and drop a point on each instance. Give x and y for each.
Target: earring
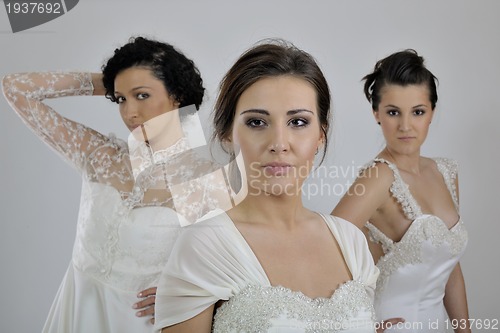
(378, 122)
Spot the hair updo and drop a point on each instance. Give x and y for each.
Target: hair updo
(401, 68)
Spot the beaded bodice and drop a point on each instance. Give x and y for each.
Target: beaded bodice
(257, 308)
(212, 261)
(427, 242)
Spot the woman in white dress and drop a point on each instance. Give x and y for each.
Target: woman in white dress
(127, 223)
(270, 264)
(411, 205)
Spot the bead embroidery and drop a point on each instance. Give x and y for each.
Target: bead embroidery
(315, 315)
(409, 250)
(400, 190)
(448, 169)
(423, 227)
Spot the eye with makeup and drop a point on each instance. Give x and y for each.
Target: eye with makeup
(298, 122)
(418, 112)
(393, 112)
(260, 123)
(119, 99)
(255, 123)
(141, 96)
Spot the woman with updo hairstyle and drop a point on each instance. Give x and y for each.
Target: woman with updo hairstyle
(135, 194)
(269, 264)
(409, 204)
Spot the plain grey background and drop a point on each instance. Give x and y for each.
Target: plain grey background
(459, 39)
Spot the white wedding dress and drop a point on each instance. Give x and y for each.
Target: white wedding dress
(211, 261)
(126, 225)
(415, 270)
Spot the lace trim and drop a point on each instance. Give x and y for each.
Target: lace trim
(448, 169)
(377, 236)
(254, 308)
(409, 250)
(401, 191)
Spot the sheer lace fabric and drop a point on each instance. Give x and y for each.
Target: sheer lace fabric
(128, 218)
(415, 270)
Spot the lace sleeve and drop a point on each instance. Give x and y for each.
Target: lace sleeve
(25, 92)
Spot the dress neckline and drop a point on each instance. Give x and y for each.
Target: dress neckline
(401, 191)
(227, 219)
(413, 209)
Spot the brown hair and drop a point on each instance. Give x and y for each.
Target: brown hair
(267, 59)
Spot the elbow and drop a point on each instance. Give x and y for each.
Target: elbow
(6, 84)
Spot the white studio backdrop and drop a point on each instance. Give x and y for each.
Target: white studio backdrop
(459, 39)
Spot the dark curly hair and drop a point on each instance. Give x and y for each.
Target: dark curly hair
(179, 74)
(401, 68)
(269, 58)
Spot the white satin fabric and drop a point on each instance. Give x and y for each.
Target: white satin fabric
(211, 261)
(415, 270)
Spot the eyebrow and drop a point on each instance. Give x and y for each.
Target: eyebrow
(135, 88)
(266, 113)
(397, 107)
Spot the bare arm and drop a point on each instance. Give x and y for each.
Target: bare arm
(365, 196)
(455, 300)
(201, 323)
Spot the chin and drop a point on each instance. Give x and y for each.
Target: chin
(277, 187)
(405, 149)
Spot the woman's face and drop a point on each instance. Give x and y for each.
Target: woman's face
(142, 97)
(277, 129)
(404, 113)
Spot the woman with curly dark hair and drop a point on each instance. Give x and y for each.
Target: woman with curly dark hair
(120, 249)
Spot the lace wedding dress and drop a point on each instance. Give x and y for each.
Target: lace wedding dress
(127, 221)
(415, 270)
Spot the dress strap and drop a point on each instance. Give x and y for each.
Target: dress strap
(448, 169)
(377, 236)
(399, 190)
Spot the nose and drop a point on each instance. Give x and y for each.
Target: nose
(405, 123)
(279, 141)
(129, 111)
